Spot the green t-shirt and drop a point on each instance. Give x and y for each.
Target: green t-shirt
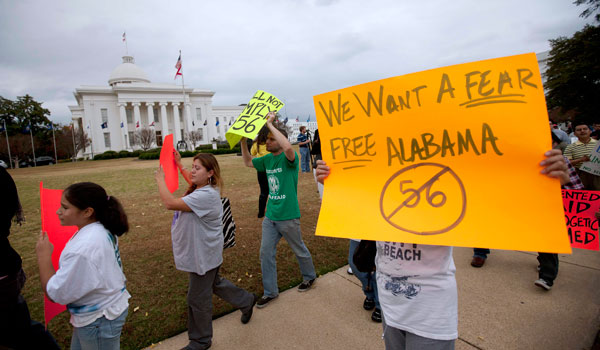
(282, 176)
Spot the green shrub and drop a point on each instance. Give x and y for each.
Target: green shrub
(201, 147)
(124, 154)
(149, 155)
(222, 150)
(136, 153)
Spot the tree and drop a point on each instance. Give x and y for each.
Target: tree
(194, 137)
(20, 148)
(573, 75)
(82, 141)
(145, 138)
(23, 112)
(594, 5)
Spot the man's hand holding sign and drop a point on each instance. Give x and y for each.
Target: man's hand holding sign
(444, 157)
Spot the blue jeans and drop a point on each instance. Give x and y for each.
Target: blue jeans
(369, 283)
(481, 252)
(272, 231)
(101, 334)
(305, 159)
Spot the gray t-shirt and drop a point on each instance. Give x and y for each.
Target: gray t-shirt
(197, 235)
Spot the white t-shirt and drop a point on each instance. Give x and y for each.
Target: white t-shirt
(90, 279)
(417, 289)
(198, 235)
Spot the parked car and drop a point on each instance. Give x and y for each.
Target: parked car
(44, 160)
(3, 164)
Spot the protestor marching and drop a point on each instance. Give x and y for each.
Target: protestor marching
(197, 236)
(282, 218)
(90, 279)
(422, 313)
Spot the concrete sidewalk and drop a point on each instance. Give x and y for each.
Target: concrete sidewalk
(499, 308)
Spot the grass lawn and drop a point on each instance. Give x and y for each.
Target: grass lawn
(159, 290)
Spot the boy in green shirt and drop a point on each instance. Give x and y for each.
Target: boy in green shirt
(283, 213)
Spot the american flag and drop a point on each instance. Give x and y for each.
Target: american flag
(152, 124)
(137, 124)
(124, 37)
(178, 66)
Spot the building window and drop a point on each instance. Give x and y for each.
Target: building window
(129, 114)
(199, 114)
(104, 113)
(201, 134)
(130, 139)
(155, 115)
(107, 140)
(125, 138)
(158, 138)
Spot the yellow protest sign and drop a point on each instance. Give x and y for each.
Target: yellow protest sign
(448, 156)
(254, 116)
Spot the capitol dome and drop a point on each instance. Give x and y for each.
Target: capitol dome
(127, 72)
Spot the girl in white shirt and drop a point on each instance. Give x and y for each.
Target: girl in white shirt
(90, 279)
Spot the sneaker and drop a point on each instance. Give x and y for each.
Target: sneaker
(350, 271)
(376, 315)
(264, 300)
(542, 283)
(304, 286)
(369, 304)
(246, 316)
(477, 261)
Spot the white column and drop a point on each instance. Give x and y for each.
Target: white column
(123, 128)
(176, 124)
(136, 115)
(150, 108)
(188, 118)
(164, 123)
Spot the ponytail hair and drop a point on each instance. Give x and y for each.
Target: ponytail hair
(107, 209)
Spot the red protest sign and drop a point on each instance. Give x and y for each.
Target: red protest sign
(167, 161)
(58, 236)
(580, 208)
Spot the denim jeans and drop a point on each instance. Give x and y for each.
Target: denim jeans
(481, 252)
(369, 283)
(305, 159)
(102, 334)
(272, 231)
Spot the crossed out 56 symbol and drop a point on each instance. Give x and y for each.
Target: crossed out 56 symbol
(424, 199)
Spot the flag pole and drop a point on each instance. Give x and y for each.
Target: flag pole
(54, 139)
(8, 145)
(183, 92)
(32, 146)
(73, 134)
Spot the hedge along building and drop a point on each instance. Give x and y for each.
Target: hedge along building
(111, 115)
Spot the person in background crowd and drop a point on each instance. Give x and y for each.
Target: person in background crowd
(303, 142)
(579, 152)
(259, 149)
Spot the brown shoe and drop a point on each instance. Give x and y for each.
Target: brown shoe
(477, 261)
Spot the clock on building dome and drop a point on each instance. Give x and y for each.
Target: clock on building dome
(127, 72)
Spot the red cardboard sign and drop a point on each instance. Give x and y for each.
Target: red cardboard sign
(580, 208)
(167, 161)
(58, 236)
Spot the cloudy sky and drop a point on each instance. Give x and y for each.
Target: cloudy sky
(293, 49)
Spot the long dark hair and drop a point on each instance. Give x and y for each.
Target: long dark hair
(263, 133)
(107, 209)
(209, 162)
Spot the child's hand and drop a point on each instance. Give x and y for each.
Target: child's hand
(43, 247)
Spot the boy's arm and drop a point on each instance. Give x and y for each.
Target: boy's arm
(283, 142)
(245, 153)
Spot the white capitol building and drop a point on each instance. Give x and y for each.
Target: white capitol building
(110, 115)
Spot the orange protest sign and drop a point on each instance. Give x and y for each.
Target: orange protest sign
(448, 156)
